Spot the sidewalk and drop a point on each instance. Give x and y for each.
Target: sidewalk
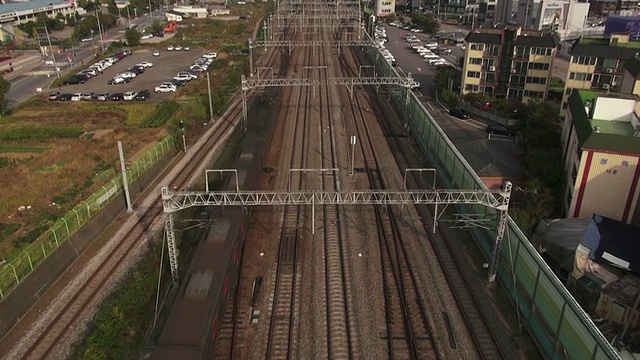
(21, 64)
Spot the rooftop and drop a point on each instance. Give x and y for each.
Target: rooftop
(605, 47)
(531, 38)
(605, 122)
(22, 6)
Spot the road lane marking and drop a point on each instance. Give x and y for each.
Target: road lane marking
(467, 122)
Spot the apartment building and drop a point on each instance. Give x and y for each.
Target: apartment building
(509, 62)
(602, 156)
(596, 64)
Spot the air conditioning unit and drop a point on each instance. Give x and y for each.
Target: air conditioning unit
(608, 71)
(492, 68)
(606, 86)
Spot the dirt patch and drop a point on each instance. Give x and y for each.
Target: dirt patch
(97, 134)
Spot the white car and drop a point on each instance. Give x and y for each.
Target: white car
(165, 89)
(198, 67)
(182, 78)
(169, 84)
(177, 48)
(436, 60)
(129, 95)
(145, 64)
(170, 48)
(76, 97)
(118, 80)
(87, 39)
(185, 73)
(186, 48)
(127, 75)
(145, 37)
(210, 55)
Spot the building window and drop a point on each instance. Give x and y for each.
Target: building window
(568, 91)
(534, 94)
(475, 61)
(541, 51)
(473, 74)
(536, 80)
(520, 52)
(584, 60)
(609, 63)
(514, 94)
(565, 105)
(479, 47)
(580, 76)
(603, 161)
(538, 66)
(472, 88)
(516, 80)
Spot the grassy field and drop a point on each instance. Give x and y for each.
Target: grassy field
(51, 153)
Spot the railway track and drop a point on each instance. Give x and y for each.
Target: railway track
(483, 336)
(281, 340)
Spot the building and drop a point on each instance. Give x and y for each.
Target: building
(191, 12)
(384, 8)
(559, 15)
(597, 64)
(22, 12)
(508, 62)
(601, 156)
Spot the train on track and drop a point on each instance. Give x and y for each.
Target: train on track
(195, 320)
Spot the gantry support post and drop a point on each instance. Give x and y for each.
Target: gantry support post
(250, 44)
(244, 103)
(502, 225)
(171, 247)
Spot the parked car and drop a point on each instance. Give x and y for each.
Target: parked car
(74, 80)
(186, 48)
(136, 70)
(459, 113)
(183, 77)
(87, 39)
(127, 75)
(170, 48)
(76, 97)
(156, 53)
(65, 97)
(164, 88)
(129, 95)
(118, 80)
(177, 48)
(103, 96)
(178, 83)
(145, 64)
(88, 96)
(142, 95)
(443, 51)
(189, 74)
(54, 95)
(210, 55)
(117, 97)
(501, 130)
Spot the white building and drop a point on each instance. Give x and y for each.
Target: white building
(22, 12)
(193, 12)
(560, 15)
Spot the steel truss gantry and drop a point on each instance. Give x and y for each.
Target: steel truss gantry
(349, 82)
(173, 201)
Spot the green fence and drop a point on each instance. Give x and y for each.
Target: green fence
(32, 255)
(554, 320)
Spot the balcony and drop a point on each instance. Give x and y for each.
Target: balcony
(487, 54)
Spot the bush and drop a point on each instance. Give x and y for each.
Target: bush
(449, 98)
(41, 132)
(29, 237)
(161, 115)
(8, 229)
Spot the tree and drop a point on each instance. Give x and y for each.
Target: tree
(156, 26)
(425, 22)
(133, 37)
(5, 85)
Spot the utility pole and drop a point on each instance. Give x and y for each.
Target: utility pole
(100, 32)
(125, 182)
(150, 12)
(129, 17)
(210, 102)
(53, 56)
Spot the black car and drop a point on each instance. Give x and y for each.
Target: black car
(178, 83)
(75, 80)
(443, 51)
(137, 70)
(117, 97)
(142, 95)
(501, 130)
(459, 113)
(85, 76)
(65, 97)
(54, 95)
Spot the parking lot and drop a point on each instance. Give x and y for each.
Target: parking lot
(165, 67)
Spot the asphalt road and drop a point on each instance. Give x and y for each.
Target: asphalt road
(40, 76)
(489, 157)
